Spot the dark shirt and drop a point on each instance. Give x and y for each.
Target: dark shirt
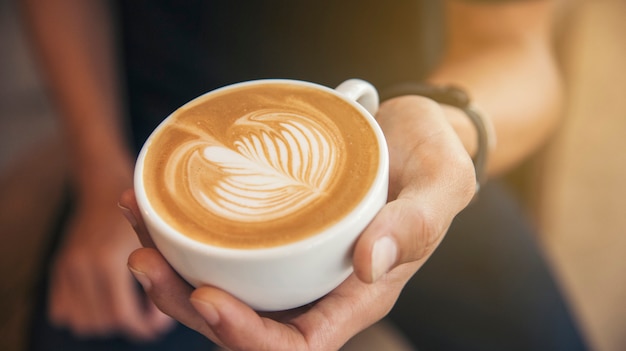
(175, 50)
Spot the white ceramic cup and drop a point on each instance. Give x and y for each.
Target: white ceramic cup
(287, 276)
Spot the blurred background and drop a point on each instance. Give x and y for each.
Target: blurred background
(573, 189)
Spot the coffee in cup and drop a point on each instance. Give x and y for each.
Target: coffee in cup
(267, 173)
(259, 166)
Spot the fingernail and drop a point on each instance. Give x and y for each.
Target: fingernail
(207, 310)
(142, 278)
(128, 214)
(384, 255)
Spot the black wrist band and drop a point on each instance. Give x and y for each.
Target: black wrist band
(456, 97)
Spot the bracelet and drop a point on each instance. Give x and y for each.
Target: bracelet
(456, 97)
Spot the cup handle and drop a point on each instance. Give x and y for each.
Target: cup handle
(362, 92)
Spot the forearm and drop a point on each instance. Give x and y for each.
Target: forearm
(507, 67)
(74, 41)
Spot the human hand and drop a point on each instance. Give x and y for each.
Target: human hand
(91, 290)
(235, 326)
(431, 180)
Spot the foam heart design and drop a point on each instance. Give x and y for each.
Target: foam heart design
(278, 164)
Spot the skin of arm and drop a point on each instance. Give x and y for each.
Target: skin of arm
(75, 43)
(91, 292)
(498, 53)
(501, 54)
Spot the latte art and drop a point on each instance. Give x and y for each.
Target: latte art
(260, 166)
(277, 164)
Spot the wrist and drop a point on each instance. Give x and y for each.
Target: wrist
(102, 179)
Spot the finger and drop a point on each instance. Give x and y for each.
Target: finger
(325, 325)
(169, 292)
(70, 292)
(137, 316)
(57, 301)
(156, 319)
(238, 327)
(75, 295)
(128, 310)
(403, 231)
(89, 304)
(130, 210)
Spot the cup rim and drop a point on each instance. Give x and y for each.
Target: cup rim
(379, 184)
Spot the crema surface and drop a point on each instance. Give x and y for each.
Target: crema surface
(260, 166)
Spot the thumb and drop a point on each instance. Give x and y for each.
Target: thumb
(403, 231)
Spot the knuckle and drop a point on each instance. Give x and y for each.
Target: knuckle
(430, 233)
(466, 178)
